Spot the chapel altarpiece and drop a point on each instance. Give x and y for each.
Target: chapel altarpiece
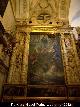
(41, 32)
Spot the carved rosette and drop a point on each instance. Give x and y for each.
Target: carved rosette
(70, 59)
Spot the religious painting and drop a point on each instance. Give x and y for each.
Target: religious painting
(45, 64)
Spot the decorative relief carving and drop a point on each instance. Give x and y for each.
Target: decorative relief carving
(26, 9)
(44, 17)
(42, 11)
(78, 42)
(25, 58)
(62, 9)
(17, 60)
(24, 5)
(78, 48)
(70, 62)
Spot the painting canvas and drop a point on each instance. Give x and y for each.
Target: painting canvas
(45, 64)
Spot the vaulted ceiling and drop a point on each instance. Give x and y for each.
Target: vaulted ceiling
(39, 12)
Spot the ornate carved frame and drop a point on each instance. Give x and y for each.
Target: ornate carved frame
(67, 46)
(69, 56)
